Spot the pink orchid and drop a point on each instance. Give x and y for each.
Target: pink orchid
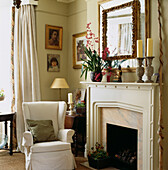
(106, 49)
(88, 42)
(88, 25)
(103, 73)
(88, 37)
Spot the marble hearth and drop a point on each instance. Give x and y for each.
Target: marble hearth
(129, 105)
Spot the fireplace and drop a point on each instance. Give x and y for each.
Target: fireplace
(130, 105)
(122, 146)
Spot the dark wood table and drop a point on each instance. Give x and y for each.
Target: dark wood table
(78, 123)
(9, 116)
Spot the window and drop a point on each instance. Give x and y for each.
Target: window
(5, 56)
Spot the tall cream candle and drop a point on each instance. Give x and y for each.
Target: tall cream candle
(139, 49)
(70, 98)
(149, 47)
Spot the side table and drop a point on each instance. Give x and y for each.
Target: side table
(8, 117)
(78, 123)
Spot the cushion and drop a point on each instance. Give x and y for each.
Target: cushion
(42, 130)
(54, 146)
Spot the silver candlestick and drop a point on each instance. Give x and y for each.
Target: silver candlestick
(70, 112)
(149, 70)
(140, 70)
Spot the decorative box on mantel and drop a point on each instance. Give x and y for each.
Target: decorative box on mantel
(128, 106)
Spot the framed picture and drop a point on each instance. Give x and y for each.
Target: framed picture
(79, 42)
(79, 95)
(53, 37)
(53, 62)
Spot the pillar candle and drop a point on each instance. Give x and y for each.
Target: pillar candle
(70, 98)
(149, 47)
(139, 49)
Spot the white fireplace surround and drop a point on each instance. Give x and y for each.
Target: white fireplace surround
(138, 97)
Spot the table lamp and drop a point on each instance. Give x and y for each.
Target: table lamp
(59, 83)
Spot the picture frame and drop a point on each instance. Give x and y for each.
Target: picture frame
(79, 95)
(53, 37)
(79, 41)
(53, 62)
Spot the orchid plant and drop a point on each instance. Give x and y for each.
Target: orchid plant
(94, 62)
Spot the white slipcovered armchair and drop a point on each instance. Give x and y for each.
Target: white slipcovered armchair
(54, 155)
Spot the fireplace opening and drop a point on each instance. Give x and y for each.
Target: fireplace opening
(122, 146)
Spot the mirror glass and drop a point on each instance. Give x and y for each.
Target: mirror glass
(119, 32)
(120, 21)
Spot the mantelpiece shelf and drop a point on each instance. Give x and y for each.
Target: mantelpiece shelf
(120, 84)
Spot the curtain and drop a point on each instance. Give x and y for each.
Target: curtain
(26, 74)
(125, 39)
(12, 77)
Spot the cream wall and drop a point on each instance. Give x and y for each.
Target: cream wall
(72, 17)
(77, 21)
(54, 13)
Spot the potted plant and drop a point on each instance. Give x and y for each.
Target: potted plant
(2, 95)
(98, 158)
(81, 108)
(94, 63)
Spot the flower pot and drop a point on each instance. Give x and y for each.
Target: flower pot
(98, 164)
(81, 110)
(2, 98)
(96, 77)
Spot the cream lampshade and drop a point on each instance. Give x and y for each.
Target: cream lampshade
(59, 83)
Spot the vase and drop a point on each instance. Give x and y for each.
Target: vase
(100, 163)
(96, 77)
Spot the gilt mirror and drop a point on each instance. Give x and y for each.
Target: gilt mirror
(121, 23)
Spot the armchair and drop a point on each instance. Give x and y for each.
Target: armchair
(54, 155)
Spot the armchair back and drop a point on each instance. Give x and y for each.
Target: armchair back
(54, 111)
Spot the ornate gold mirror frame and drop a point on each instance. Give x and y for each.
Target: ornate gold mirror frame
(135, 5)
(146, 23)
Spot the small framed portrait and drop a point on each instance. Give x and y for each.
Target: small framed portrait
(79, 95)
(53, 37)
(79, 42)
(53, 62)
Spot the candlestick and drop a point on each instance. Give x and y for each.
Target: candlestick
(140, 70)
(70, 98)
(149, 47)
(149, 70)
(70, 112)
(139, 49)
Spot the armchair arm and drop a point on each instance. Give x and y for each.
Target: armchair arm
(27, 139)
(65, 135)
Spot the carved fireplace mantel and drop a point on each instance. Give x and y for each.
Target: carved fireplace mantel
(141, 98)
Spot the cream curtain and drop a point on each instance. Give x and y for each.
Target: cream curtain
(27, 87)
(125, 39)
